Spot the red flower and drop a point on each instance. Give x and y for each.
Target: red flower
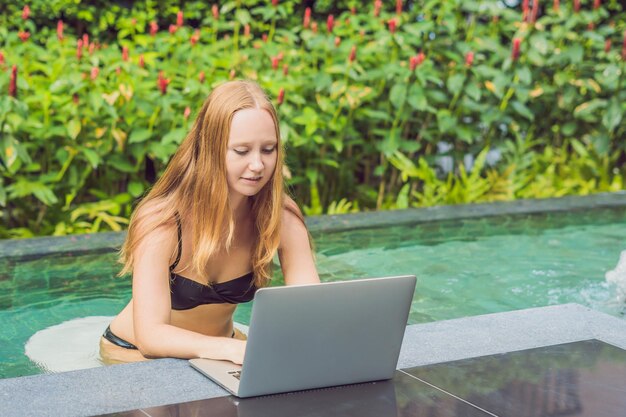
(25, 12)
(201, 77)
(607, 45)
(378, 4)
(195, 37)
(125, 53)
(398, 7)
(94, 72)
(216, 12)
(23, 35)
(162, 83)
(392, 25)
(281, 96)
(535, 11)
(280, 56)
(416, 61)
(246, 30)
(1, 58)
(13, 82)
(337, 41)
(469, 59)
(141, 61)
(264, 37)
(187, 112)
(79, 48)
(576, 6)
(596, 4)
(60, 30)
(154, 28)
(515, 52)
(179, 18)
(314, 27)
(330, 23)
(274, 3)
(274, 62)
(85, 40)
(525, 10)
(352, 56)
(92, 47)
(133, 21)
(555, 5)
(285, 69)
(353, 10)
(591, 26)
(624, 47)
(173, 29)
(307, 18)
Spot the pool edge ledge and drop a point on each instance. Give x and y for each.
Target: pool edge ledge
(126, 387)
(16, 249)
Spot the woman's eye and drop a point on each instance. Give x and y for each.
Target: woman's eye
(269, 150)
(240, 151)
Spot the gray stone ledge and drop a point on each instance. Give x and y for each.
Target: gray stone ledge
(167, 381)
(110, 241)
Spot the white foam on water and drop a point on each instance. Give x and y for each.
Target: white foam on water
(73, 344)
(617, 277)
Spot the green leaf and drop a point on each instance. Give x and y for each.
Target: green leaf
(455, 83)
(574, 53)
(522, 110)
(397, 95)
(73, 128)
(92, 156)
(579, 148)
(139, 135)
(174, 136)
(120, 163)
(417, 99)
(568, 128)
(524, 75)
(472, 91)
(613, 115)
(135, 188)
(445, 121)
(589, 110)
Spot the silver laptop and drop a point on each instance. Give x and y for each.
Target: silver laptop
(314, 336)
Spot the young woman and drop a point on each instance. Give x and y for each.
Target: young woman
(204, 237)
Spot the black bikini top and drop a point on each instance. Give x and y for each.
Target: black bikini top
(187, 293)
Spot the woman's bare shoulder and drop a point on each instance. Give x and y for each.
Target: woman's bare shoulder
(155, 225)
(292, 223)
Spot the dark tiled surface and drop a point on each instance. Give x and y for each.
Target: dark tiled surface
(403, 396)
(586, 379)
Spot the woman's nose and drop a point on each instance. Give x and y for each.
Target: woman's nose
(256, 163)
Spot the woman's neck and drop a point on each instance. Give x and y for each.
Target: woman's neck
(241, 207)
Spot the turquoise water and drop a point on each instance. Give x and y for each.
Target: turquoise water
(464, 267)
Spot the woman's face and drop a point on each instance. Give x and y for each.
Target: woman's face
(252, 152)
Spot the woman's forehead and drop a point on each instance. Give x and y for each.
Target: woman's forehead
(252, 124)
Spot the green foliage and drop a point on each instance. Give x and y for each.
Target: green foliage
(86, 135)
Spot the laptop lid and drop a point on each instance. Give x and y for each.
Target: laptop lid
(321, 335)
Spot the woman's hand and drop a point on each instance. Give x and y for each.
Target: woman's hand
(237, 351)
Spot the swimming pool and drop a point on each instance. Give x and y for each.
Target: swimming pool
(464, 267)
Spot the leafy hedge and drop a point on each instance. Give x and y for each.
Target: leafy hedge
(381, 106)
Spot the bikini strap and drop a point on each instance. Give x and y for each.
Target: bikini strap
(180, 242)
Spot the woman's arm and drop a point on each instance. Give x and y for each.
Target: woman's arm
(295, 253)
(154, 335)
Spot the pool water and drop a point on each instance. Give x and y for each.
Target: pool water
(464, 267)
